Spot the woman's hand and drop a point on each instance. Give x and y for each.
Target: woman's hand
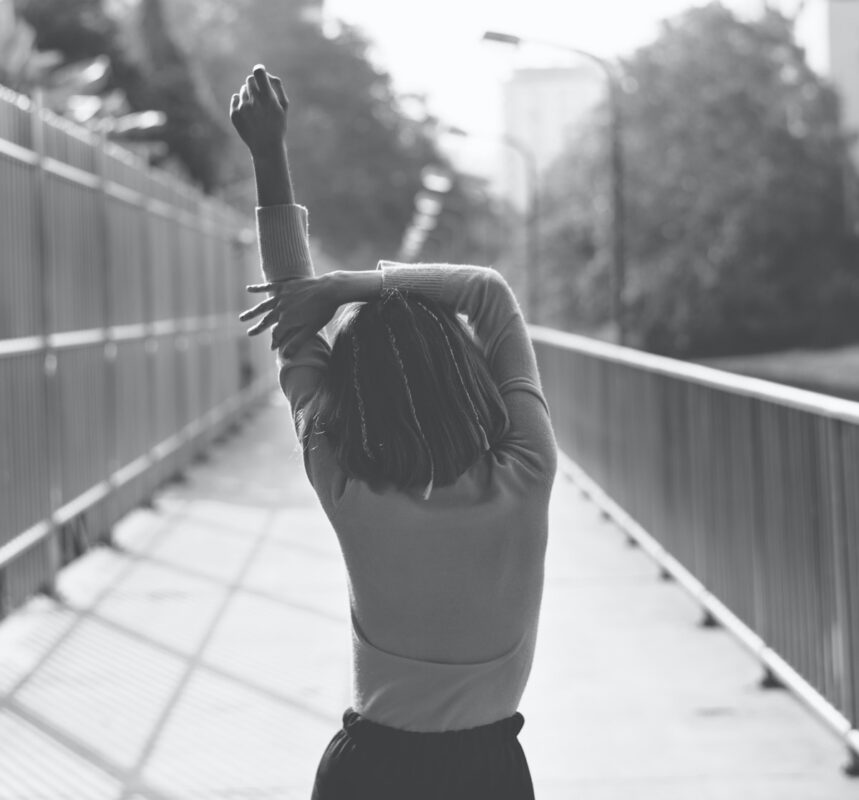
(299, 308)
(258, 112)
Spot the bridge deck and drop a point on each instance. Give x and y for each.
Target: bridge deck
(208, 657)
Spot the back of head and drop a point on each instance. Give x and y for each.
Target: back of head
(409, 400)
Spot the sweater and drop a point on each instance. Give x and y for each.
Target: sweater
(444, 592)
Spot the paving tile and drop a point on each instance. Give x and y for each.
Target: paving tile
(289, 651)
(103, 689)
(85, 581)
(166, 605)
(28, 636)
(36, 767)
(205, 548)
(224, 740)
(306, 575)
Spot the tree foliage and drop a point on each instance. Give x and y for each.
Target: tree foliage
(736, 229)
(355, 158)
(146, 65)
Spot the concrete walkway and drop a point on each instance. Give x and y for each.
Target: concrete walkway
(207, 658)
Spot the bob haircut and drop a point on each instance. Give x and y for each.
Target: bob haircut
(408, 400)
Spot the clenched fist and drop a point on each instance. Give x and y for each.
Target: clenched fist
(258, 112)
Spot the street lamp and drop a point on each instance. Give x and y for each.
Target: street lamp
(617, 166)
(532, 214)
(436, 181)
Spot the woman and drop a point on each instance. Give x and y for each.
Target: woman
(432, 453)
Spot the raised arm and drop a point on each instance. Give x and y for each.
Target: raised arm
(484, 297)
(258, 112)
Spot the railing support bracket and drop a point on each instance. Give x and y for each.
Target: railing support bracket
(770, 680)
(851, 768)
(708, 620)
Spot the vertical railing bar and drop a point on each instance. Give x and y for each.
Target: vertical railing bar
(108, 277)
(53, 441)
(841, 566)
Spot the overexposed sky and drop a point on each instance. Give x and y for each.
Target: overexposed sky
(435, 46)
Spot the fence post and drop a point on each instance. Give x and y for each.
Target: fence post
(845, 667)
(110, 347)
(53, 432)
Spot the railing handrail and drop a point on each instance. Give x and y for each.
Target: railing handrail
(803, 399)
(746, 484)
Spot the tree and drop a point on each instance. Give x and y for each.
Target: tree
(470, 228)
(356, 158)
(146, 65)
(736, 223)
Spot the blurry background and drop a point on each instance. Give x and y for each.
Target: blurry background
(413, 139)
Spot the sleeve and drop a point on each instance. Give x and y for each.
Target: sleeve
(488, 302)
(285, 253)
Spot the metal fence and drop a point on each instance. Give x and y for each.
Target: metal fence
(121, 352)
(751, 486)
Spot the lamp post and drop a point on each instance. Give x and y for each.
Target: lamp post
(532, 213)
(617, 167)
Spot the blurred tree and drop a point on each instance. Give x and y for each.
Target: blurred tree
(145, 64)
(355, 157)
(470, 228)
(736, 222)
(22, 64)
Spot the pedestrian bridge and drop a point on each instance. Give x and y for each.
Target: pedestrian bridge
(202, 650)
(697, 636)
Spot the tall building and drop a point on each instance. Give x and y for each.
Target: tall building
(829, 32)
(840, 51)
(542, 108)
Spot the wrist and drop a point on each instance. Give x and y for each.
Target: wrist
(266, 154)
(348, 286)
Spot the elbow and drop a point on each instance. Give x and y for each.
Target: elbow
(497, 286)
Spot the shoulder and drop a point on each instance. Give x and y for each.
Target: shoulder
(324, 472)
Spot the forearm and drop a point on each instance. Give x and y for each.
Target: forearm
(283, 244)
(358, 286)
(490, 305)
(274, 183)
(478, 292)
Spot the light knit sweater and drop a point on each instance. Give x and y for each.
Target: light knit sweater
(444, 592)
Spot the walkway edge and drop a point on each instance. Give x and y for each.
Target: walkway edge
(822, 709)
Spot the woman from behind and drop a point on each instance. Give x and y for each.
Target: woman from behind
(430, 448)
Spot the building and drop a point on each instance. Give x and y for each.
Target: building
(542, 108)
(830, 30)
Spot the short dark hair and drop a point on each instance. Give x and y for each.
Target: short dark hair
(408, 399)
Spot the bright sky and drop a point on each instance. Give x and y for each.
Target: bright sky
(435, 47)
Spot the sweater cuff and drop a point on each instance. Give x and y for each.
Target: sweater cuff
(425, 279)
(284, 248)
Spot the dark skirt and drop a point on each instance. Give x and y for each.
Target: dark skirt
(373, 761)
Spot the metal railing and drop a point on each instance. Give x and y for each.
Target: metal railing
(121, 352)
(747, 490)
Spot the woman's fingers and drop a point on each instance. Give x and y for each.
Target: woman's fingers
(265, 305)
(262, 80)
(271, 286)
(265, 322)
(278, 90)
